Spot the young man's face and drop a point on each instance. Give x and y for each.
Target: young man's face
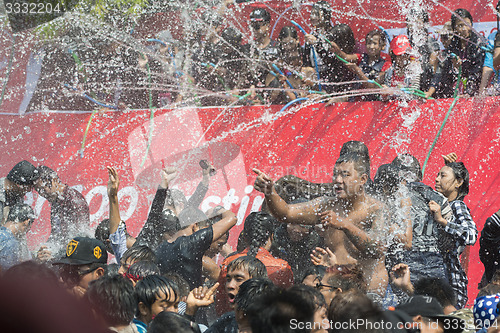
(79, 275)
(260, 29)
(46, 188)
(316, 18)
(347, 181)
(234, 279)
(374, 46)
(162, 303)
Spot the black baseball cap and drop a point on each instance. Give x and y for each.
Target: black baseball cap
(260, 15)
(23, 173)
(84, 251)
(429, 307)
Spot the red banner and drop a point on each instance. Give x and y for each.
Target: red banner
(303, 140)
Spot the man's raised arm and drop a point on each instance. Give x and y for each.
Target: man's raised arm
(302, 213)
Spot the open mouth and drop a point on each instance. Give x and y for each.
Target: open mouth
(231, 298)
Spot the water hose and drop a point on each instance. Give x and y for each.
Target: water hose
(114, 107)
(315, 58)
(455, 99)
(86, 132)
(293, 102)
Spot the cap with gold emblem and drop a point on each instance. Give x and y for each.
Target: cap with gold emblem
(82, 251)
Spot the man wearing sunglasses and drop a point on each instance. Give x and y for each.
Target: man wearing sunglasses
(85, 261)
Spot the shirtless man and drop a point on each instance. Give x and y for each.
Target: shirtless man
(352, 218)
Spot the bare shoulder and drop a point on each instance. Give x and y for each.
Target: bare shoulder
(374, 206)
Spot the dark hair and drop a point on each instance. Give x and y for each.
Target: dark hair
(181, 283)
(354, 147)
(112, 298)
(46, 173)
(310, 293)
(318, 271)
(407, 163)
(344, 37)
(489, 289)
(31, 271)
(463, 13)
(153, 230)
(418, 13)
(386, 179)
(139, 253)
(140, 269)
(273, 312)
(361, 162)
(251, 290)
(191, 215)
(325, 8)
(347, 277)
(258, 229)
(232, 36)
(254, 267)
(147, 289)
(435, 287)
(21, 212)
(461, 173)
(170, 322)
(288, 31)
(102, 233)
(383, 41)
(351, 306)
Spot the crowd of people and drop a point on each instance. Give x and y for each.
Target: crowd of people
(353, 255)
(219, 64)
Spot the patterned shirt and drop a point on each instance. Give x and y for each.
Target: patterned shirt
(464, 232)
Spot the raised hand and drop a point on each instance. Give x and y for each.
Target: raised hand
(263, 183)
(400, 277)
(199, 297)
(330, 219)
(451, 157)
(320, 256)
(113, 182)
(167, 175)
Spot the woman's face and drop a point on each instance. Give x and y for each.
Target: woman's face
(463, 27)
(316, 18)
(446, 183)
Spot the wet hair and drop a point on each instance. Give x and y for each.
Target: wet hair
(461, 173)
(344, 37)
(21, 212)
(347, 277)
(325, 8)
(354, 147)
(418, 13)
(251, 290)
(153, 230)
(463, 14)
(232, 36)
(288, 31)
(140, 269)
(318, 271)
(408, 167)
(139, 253)
(386, 179)
(311, 293)
(112, 298)
(273, 313)
(102, 233)
(149, 288)
(47, 174)
(31, 271)
(437, 288)
(191, 215)
(360, 161)
(352, 306)
(254, 267)
(181, 283)
(170, 322)
(383, 41)
(176, 197)
(258, 229)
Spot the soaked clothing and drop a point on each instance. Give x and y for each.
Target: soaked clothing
(297, 254)
(6, 200)
(184, 256)
(372, 70)
(69, 216)
(260, 62)
(464, 231)
(278, 271)
(472, 68)
(489, 248)
(428, 77)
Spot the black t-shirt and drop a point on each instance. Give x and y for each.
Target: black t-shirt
(184, 256)
(225, 324)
